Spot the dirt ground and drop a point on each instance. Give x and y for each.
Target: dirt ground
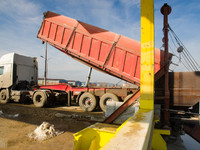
(17, 121)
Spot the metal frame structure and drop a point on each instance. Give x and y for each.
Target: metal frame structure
(118, 56)
(137, 132)
(166, 10)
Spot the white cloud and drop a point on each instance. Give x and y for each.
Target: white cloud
(21, 19)
(104, 14)
(20, 23)
(23, 11)
(130, 2)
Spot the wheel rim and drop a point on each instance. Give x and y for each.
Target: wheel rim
(87, 102)
(38, 98)
(3, 96)
(108, 99)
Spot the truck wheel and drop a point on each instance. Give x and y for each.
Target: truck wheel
(4, 98)
(87, 102)
(39, 99)
(107, 97)
(127, 97)
(130, 95)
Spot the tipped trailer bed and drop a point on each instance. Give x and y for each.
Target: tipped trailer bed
(103, 50)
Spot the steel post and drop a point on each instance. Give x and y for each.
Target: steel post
(88, 79)
(45, 65)
(147, 55)
(166, 10)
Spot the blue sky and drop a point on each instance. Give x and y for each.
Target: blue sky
(21, 19)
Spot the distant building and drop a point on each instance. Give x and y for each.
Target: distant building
(74, 83)
(51, 81)
(83, 84)
(71, 82)
(59, 81)
(91, 84)
(78, 83)
(105, 84)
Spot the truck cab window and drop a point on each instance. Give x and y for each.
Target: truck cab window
(1, 70)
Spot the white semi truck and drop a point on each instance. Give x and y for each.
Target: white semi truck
(18, 83)
(17, 74)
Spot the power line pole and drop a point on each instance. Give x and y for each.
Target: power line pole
(45, 65)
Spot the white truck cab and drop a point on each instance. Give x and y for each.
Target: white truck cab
(17, 74)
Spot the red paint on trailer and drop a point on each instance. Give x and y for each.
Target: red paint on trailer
(103, 50)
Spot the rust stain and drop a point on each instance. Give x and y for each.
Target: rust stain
(135, 123)
(139, 116)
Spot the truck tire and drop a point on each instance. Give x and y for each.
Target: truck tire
(127, 97)
(88, 102)
(4, 97)
(39, 99)
(107, 97)
(130, 95)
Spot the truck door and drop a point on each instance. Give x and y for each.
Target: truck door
(5, 75)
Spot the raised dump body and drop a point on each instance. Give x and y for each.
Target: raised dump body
(103, 50)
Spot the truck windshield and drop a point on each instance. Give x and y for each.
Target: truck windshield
(1, 70)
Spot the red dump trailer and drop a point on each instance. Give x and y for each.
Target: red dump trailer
(100, 49)
(103, 50)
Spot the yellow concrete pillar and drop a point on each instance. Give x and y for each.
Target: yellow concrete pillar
(147, 55)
